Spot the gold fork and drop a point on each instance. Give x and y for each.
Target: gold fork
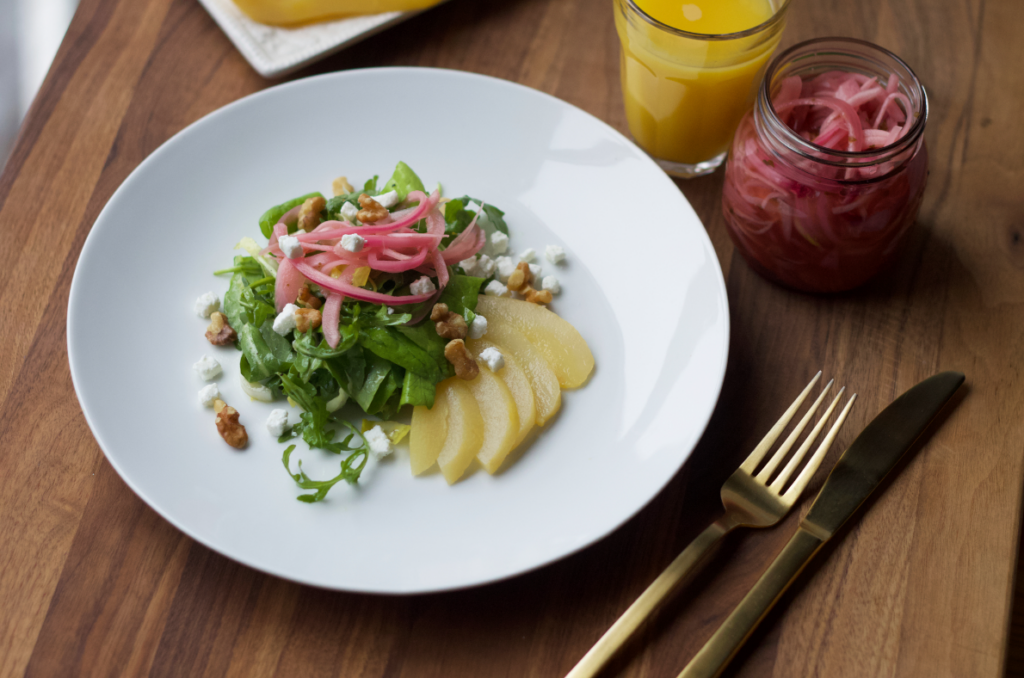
(749, 500)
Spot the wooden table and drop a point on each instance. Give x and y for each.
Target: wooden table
(93, 582)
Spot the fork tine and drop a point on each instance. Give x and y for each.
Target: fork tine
(780, 481)
(766, 443)
(783, 450)
(805, 475)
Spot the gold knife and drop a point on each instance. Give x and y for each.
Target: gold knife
(859, 471)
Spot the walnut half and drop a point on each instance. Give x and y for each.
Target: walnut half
(220, 332)
(309, 213)
(458, 355)
(520, 281)
(305, 318)
(230, 430)
(448, 325)
(372, 210)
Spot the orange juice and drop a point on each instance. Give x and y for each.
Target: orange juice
(688, 75)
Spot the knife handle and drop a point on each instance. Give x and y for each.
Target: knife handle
(649, 601)
(734, 631)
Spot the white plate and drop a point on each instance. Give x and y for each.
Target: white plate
(276, 51)
(641, 283)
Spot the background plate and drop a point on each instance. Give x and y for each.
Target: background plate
(641, 283)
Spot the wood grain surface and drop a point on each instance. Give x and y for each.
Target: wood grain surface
(93, 582)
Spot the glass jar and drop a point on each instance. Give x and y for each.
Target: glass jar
(821, 219)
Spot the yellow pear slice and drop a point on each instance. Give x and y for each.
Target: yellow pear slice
(500, 416)
(428, 432)
(547, 395)
(465, 429)
(518, 384)
(558, 341)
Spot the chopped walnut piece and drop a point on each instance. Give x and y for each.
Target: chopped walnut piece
(307, 299)
(458, 355)
(520, 281)
(340, 186)
(448, 325)
(372, 210)
(534, 297)
(230, 430)
(306, 318)
(220, 332)
(520, 278)
(309, 213)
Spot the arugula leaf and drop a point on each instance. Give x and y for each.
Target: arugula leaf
(306, 344)
(456, 218)
(313, 420)
(405, 181)
(274, 214)
(390, 386)
(370, 187)
(494, 215)
(461, 295)
(417, 391)
(233, 309)
(393, 345)
(379, 368)
(263, 363)
(425, 336)
(351, 467)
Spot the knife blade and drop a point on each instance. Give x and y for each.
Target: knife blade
(859, 471)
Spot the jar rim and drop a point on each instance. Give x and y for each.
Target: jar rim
(813, 151)
(711, 37)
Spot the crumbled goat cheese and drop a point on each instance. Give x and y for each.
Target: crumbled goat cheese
(285, 320)
(380, 444)
(277, 422)
(551, 284)
(291, 246)
(423, 285)
(528, 255)
(496, 289)
(207, 304)
(492, 356)
(468, 266)
(535, 271)
(207, 368)
(485, 266)
(478, 327)
(499, 242)
(387, 200)
(554, 253)
(353, 242)
(349, 212)
(208, 394)
(505, 266)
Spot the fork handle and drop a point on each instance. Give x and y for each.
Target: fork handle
(649, 601)
(734, 631)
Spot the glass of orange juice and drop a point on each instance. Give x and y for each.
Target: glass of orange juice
(689, 73)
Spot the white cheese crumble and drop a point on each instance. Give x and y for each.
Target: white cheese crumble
(535, 271)
(478, 327)
(468, 266)
(423, 285)
(492, 356)
(485, 266)
(285, 320)
(208, 394)
(353, 242)
(528, 255)
(496, 289)
(554, 253)
(499, 242)
(207, 368)
(291, 246)
(380, 444)
(504, 266)
(349, 211)
(391, 311)
(551, 284)
(388, 200)
(206, 304)
(277, 422)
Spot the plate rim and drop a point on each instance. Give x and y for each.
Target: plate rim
(606, 531)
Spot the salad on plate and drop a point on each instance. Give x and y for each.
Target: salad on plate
(373, 297)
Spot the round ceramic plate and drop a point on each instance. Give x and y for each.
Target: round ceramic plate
(641, 283)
